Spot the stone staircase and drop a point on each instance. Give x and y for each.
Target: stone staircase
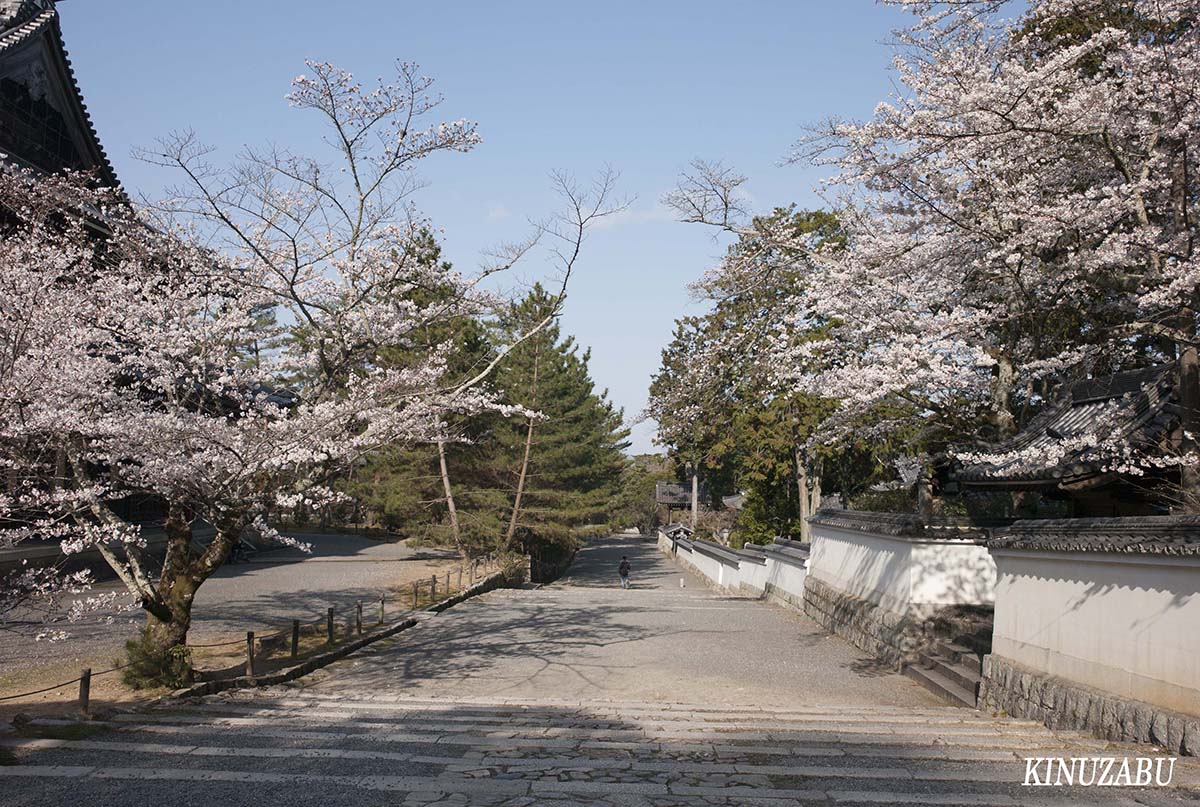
(950, 670)
(289, 747)
(951, 665)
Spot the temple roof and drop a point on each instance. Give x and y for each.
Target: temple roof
(902, 525)
(1146, 535)
(44, 123)
(677, 495)
(1134, 411)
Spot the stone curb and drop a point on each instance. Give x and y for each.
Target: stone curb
(496, 580)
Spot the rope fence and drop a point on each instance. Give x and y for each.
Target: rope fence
(253, 654)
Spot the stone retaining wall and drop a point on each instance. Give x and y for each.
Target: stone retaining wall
(1060, 704)
(884, 634)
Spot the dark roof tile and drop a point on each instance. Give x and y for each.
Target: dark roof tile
(1149, 535)
(1137, 407)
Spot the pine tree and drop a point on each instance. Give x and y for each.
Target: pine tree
(567, 459)
(443, 490)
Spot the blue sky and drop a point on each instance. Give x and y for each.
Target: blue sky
(644, 87)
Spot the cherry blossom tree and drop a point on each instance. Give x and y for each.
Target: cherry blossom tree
(1022, 212)
(220, 350)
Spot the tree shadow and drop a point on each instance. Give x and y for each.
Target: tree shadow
(521, 644)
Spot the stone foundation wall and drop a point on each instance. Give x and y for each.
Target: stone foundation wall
(783, 597)
(1060, 704)
(884, 634)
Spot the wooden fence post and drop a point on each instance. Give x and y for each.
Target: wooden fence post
(85, 689)
(416, 592)
(249, 652)
(295, 637)
(358, 619)
(329, 625)
(433, 588)
(460, 577)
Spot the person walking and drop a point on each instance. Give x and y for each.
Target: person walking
(623, 570)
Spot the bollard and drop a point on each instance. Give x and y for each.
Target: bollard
(85, 689)
(249, 652)
(295, 637)
(433, 588)
(329, 626)
(381, 610)
(358, 619)
(416, 593)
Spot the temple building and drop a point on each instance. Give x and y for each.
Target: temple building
(44, 123)
(1091, 447)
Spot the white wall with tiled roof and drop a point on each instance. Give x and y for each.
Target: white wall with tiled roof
(1125, 623)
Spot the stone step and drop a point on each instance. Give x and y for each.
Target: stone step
(557, 704)
(282, 786)
(825, 745)
(602, 710)
(1005, 768)
(873, 764)
(581, 719)
(956, 671)
(937, 683)
(962, 654)
(979, 643)
(698, 732)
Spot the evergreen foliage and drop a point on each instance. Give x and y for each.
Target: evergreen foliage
(575, 441)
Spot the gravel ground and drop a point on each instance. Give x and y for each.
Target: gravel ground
(262, 595)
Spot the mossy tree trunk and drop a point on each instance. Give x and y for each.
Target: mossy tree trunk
(161, 653)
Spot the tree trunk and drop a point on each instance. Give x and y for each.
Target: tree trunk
(165, 635)
(808, 487)
(814, 490)
(161, 655)
(451, 509)
(695, 497)
(803, 496)
(1189, 406)
(925, 492)
(516, 511)
(1002, 386)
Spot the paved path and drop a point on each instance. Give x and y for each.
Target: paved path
(585, 637)
(578, 693)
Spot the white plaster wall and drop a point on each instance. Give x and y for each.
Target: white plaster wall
(754, 575)
(905, 575)
(787, 577)
(664, 543)
(717, 572)
(1126, 624)
(871, 567)
(951, 573)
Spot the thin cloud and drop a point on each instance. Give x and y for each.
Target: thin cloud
(630, 216)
